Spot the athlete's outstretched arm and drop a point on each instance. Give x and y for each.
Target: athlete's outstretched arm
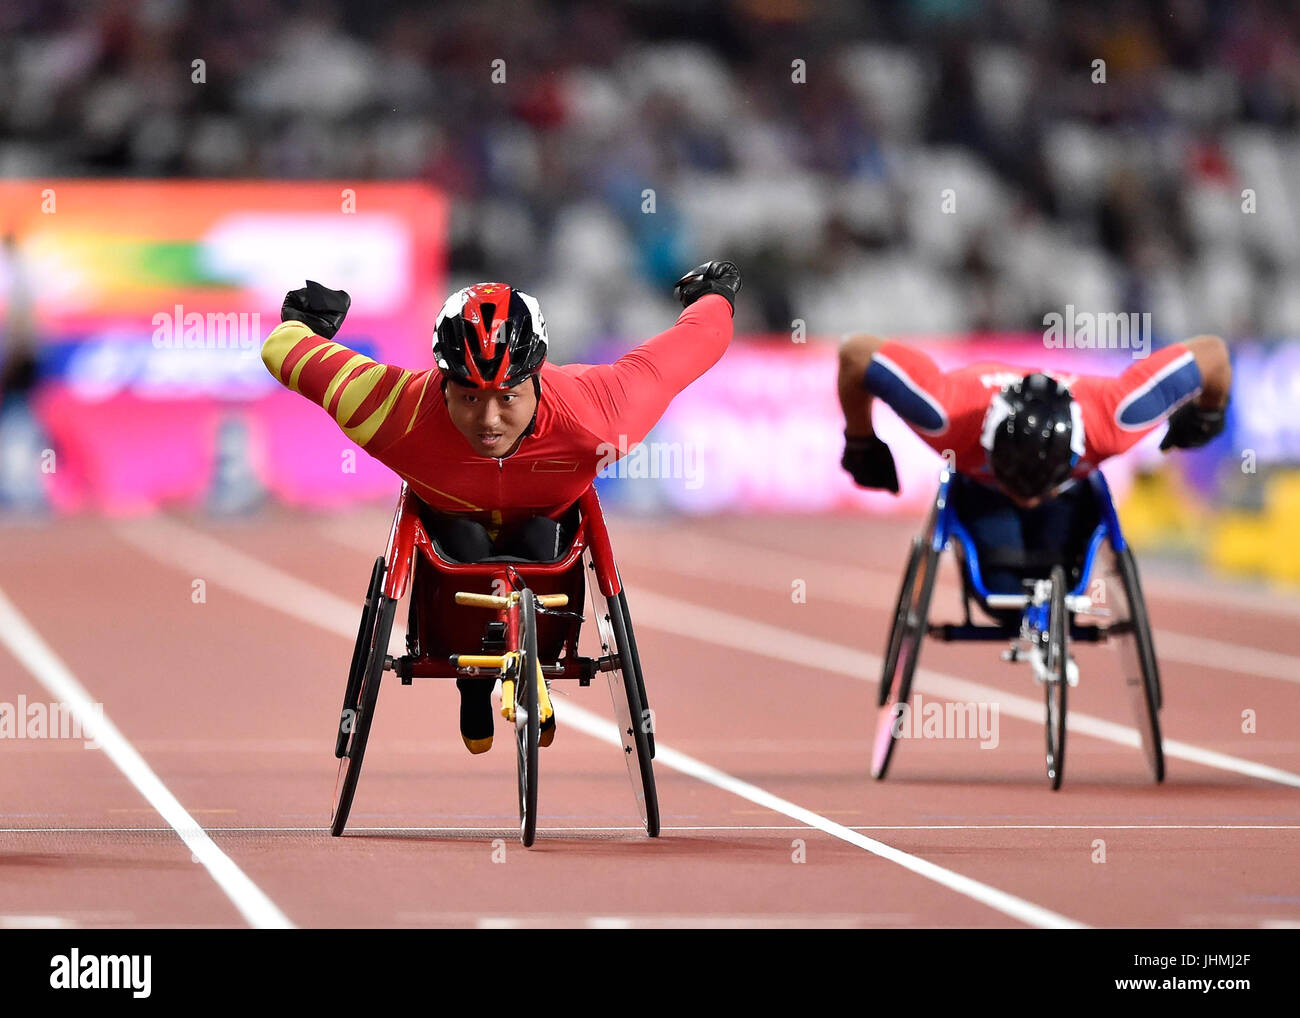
(1211, 355)
(909, 382)
(373, 403)
(855, 398)
(1186, 384)
(628, 397)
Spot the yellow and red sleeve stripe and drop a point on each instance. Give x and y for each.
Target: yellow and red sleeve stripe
(374, 404)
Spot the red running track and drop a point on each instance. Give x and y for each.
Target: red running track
(764, 710)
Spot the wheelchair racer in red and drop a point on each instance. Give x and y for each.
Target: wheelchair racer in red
(497, 442)
(1018, 441)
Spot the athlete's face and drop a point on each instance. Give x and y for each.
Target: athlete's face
(492, 422)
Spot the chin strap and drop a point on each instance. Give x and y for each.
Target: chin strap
(537, 393)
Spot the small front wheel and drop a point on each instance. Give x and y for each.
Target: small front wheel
(527, 720)
(1057, 658)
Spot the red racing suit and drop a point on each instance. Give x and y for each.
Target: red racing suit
(946, 409)
(586, 414)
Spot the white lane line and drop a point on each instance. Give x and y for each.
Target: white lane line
(1228, 657)
(758, 921)
(664, 921)
(764, 569)
(45, 666)
(35, 922)
(701, 827)
(709, 625)
(1207, 591)
(182, 547)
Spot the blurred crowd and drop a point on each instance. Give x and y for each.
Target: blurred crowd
(922, 166)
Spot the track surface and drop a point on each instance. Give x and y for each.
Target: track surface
(764, 711)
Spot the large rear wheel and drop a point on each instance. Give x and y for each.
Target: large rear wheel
(626, 689)
(368, 696)
(360, 650)
(1141, 671)
(903, 650)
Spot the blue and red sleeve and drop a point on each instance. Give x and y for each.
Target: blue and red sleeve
(1120, 411)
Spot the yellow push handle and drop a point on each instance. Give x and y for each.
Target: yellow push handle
(482, 600)
(498, 661)
(497, 601)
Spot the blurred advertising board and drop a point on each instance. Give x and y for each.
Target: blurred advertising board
(1266, 401)
(149, 301)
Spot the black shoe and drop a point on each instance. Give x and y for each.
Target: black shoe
(476, 721)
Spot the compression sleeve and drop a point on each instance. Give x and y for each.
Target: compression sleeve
(374, 404)
(1128, 407)
(912, 385)
(629, 396)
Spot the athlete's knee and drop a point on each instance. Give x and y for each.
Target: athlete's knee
(541, 539)
(463, 540)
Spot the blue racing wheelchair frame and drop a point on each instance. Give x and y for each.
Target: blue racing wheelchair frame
(1097, 600)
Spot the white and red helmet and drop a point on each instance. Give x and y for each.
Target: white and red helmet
(490, 336)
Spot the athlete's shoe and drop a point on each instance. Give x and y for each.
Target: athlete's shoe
(476, 721)
(546, 733)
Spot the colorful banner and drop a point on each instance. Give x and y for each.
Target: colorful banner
(149, 300)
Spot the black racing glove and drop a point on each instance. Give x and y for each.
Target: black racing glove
(1191, 426)
(870, 462)
(718, 277)
(319, 308)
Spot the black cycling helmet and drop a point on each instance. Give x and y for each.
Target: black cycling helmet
(1033, 432)
(490, 336)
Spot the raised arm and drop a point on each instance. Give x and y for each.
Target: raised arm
(372, 403)
(629, 396)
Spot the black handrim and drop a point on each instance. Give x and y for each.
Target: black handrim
(359, 654)
(895, 640)
(1057, 681)
(903, 650)
(642, 733)
(635, 658)
(527, 721)
(350, 765)
(1144, 689)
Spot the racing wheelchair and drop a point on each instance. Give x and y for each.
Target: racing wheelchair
(1039, 623)
(502, 617)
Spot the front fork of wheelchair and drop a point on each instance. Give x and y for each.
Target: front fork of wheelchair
(1032, 645)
